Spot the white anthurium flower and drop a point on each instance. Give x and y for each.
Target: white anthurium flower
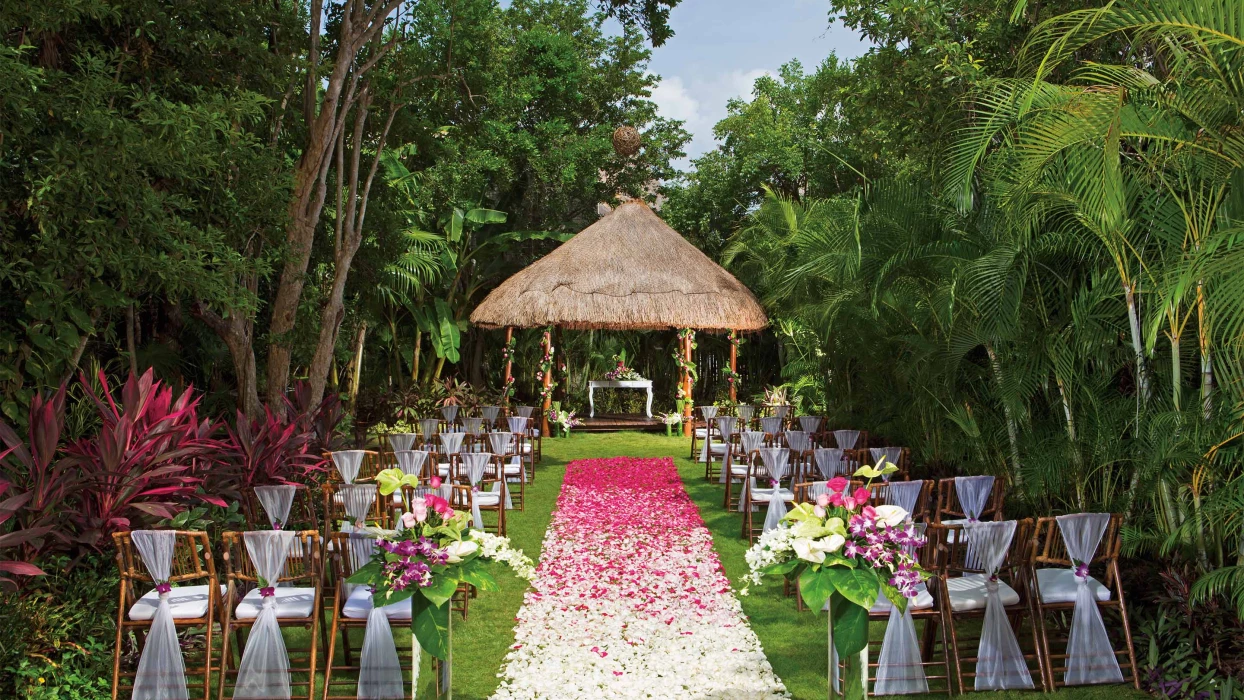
(806, 550)
(891, 515)
(458, 550)
(833, 543)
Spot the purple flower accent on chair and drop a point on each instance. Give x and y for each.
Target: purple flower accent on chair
(267, 592)
(163, 587)
(1082, 570)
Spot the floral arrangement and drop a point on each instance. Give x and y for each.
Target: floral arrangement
(428, 556)
(685, 335)
(847, 552)
(564, 420)
(622, 373)
(546, 367)
(507, 357)
(669, 420)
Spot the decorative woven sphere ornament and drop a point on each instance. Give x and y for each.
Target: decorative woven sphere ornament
(626, 140)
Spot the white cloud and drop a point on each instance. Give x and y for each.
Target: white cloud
(701, 103)
(673, 100)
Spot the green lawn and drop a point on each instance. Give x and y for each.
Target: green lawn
(794, 642)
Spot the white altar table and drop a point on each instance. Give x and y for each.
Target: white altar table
(592, 386)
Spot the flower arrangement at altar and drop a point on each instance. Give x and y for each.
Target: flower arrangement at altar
(622, 373)
(669, 420)
(565, 420)
(428, 556)
(846, 552)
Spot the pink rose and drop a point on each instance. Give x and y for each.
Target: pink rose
(838, 484)
(434, 482)
(408, 520)
(822, 500)
(848, 502)
(869, 512)
(819, 511)
(835, 499)
(419, 509)
(861, 495)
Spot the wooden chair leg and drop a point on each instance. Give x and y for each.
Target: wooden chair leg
(332, 647)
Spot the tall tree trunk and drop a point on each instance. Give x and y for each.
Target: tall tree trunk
(1138, 352)
(237, 332)
(414, 360)
(477, 360)
(1012, 430)
(358, 363)
(1207, 365)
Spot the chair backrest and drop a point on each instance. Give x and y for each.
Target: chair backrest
(302, 515)
(896, 492)
(1050, 549)
(192, 563)
(955, 556)
(335, 508)
(302, 567)
(948, 506)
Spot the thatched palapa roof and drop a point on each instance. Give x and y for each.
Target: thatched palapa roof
(629, 270)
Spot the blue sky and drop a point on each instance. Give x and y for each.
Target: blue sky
(721, 46)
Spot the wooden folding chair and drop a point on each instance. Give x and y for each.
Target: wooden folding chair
(298, 601)
(759, 497)
(949, 508)
(925, 607)
(195, 601)
(1053, 578)
(880, 495)
(464, 494)
(737, 465)
(964, 585)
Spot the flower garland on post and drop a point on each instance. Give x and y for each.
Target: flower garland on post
(731, 373)
(507, 354)
(545, 375)
(682, 356)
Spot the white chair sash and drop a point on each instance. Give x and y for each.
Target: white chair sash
(904, 494)
(1000, 664)
(725, 426)
(830, 461)
(745, 412)
(264, 670)
(161, 668)
(771, 425)
(776, 461)
(846, 439)
(411, 461)
(475, 463)
(473, 426)
(358, 500)
(450, 413)
(276, 501)
(973, 493)
(452, 443)
(781, 411)
(526, 411)
(402, 441)
(816, 488)
(518, 424)
(751, 440)
(1090, 659)
(500, 442)
(809, 424)
(708, 413)
(349, 462)
(428, 428)
(490, 414)
(899, 668)
(798, 440)
(380, 671)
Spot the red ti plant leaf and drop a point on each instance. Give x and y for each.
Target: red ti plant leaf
(41, 481)
(21, 568)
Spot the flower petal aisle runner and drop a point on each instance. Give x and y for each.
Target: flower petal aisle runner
(629, 600)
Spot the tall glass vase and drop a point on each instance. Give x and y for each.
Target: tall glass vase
(852, 682)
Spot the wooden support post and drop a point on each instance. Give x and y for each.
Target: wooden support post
(509, 370)
(547, 380)
(734, 367)
(688, 406)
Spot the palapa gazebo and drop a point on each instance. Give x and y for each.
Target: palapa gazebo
(627, 271)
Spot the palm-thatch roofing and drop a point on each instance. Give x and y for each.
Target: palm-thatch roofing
(629, 270)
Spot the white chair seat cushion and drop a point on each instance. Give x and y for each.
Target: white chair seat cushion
(738, 469)
(1059, 586)
(486, 498)
(188, 602)
(526, 448)
(763, 495)
(718, 448)
(290, 602)
(358, 606)
(442, 470)
(513, 470)
(967, 592)
(701, 433)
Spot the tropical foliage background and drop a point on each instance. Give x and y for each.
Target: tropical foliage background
(1008, 236)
